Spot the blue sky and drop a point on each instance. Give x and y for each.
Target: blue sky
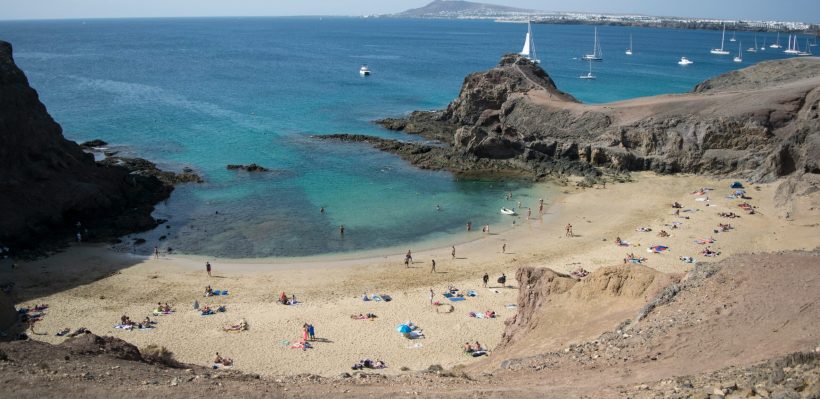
(792, 10)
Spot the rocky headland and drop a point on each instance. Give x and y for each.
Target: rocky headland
(759, 123)
(48, 183)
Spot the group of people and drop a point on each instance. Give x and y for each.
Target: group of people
(163, 308)
(474, 348)
(126, 322)
(285, 300)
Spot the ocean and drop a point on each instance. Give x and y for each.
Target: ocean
(207, 92)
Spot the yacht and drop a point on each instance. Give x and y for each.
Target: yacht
(753, 49)
(589, 74)
(529, 46)
(792, 46)
(364, 70)
(629, 50)
(685, 61)
(776, 44)
(739, 56)
(597, 53)
(721, 51)
(806, 52)
(733, 37)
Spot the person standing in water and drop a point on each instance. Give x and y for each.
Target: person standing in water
(208, 268)
(156, 252)
(529, 213)
(322, 210)
(433, 269)
(342, 230)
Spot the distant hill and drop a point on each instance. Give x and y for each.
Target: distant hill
(459, 9)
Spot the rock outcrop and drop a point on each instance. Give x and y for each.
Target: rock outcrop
(8, 315)
(248, 168)
(761, 122)
(48, 183)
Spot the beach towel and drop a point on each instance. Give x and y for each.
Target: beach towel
(414, 335)
(511, 306)
(220, 366)
(657, 249)
(702, 199)
(386, 298)
(623, 244)
(456, 298)
(635, 260)
(163, 313)
(477, 353)
(207, 313)
(124, 326)
(472, 293)
(377, 298)
(301, 345)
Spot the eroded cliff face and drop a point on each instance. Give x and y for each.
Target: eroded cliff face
(761, 122)
(48, 184)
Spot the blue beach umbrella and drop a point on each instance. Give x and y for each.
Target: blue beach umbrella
(403, 328)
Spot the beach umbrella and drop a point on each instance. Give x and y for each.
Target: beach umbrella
(403, 328)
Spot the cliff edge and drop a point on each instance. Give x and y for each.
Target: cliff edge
(48, 184)
(760, 123)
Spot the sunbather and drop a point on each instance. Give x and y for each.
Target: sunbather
(663, 233)
(209, 291)
(241, 326)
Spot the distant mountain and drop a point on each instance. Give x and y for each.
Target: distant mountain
(460, 9)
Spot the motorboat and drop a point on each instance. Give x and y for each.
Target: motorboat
(508, 211)
(364, 70)
(685, 61)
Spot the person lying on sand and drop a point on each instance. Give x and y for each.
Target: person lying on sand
(147, 323)
(241, 326)
(360, 316)
(663, 233)
(643, 229)
(224, 361)
(676, 205)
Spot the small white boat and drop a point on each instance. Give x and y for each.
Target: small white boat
(807, 51)
(739, 56)
(763, 48)
(721, 51)
(733, 37)
(364, 70)
(508, 211)
(629, 50)
(685, 61)
(776, 44)
(793, 49)
(589, 74)
(753, 49)
(597, 53)
(529, 46)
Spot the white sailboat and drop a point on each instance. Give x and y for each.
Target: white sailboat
(529, 46)
(589, 74)
(753, 49)
(763, 48)
(792, 46)
(776, 44)
(629, 50)
(685, 61)
(721, 51)
(739, 56)
(733, 37)
(807, 51)
(597, 53)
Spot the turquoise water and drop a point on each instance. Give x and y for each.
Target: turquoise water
(208, 92)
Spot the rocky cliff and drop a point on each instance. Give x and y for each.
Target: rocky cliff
(48, 183)
(761, 122)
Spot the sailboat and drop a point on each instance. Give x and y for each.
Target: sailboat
(529, 46)
(763, 48)
(597, 54)
(721, 51)
(629, 50)
(739, 57)
(776, 44)
(792, 46)
(733, 37)
(807, 51)
(589, 75)
(753, 49)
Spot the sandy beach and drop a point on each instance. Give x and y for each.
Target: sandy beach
(91, 286)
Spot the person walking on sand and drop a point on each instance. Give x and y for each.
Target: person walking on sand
(454, 252)
(208, 268)
(541, 208)
(409, 256)
(432, 295)
(569, 230)
(433, 269)
(504, 248)
(311, 332)
(156, 252)
(529, 213)
(406, 262)
(486, 279)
